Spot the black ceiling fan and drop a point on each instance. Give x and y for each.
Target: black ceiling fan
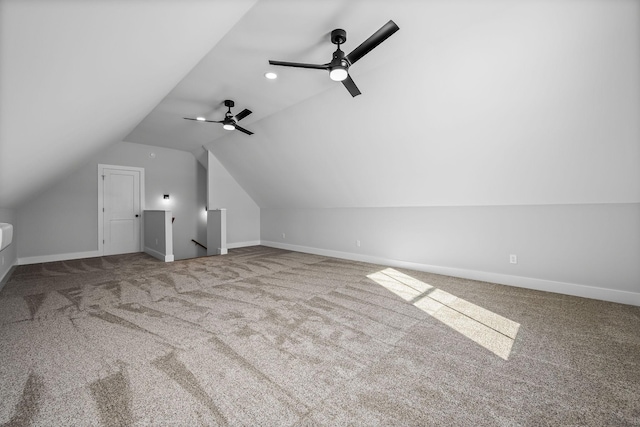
(339, 66)
(230, 121)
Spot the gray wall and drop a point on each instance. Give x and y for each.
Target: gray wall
(158, 234)
(8, 255)
(591, 245)
(64, 219)
(243, 214)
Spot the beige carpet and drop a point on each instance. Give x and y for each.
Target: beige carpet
(266, 337)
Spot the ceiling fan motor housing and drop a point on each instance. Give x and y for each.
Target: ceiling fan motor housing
(338, 36)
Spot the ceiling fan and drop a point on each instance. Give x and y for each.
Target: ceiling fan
(230, 121)
(339, 66)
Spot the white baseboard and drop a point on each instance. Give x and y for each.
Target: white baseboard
(243, 244)
(57, 257)
(612, 295)
(159, 255)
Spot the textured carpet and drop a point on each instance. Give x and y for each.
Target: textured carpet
(266, 337)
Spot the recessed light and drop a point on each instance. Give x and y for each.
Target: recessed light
(200, 119)
(271, 75)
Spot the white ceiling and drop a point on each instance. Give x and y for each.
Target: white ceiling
(77, 76)
(470, 103)
(461, 83)
(297, 31)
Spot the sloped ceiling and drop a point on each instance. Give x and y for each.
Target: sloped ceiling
(470, 103)
(76, 76)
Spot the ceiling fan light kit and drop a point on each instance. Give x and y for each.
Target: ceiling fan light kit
(338, 74)
(339, 66)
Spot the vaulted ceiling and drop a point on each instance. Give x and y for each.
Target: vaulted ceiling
(77, 76)
(471, 102)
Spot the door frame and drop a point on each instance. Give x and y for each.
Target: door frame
(101, 169)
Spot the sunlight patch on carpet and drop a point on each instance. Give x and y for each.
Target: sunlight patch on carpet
(492, 331)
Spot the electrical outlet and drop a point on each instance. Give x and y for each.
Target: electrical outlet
(156, 240)
(358, 243)
(284, 236)
(513, 259)
(2, 259)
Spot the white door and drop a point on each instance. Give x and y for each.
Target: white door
(121, 217)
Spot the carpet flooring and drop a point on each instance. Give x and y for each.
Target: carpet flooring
(267, 337)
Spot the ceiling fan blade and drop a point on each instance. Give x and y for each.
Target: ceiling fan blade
(299, 65)
(242, 114)
(351, 86)
(369, 44)
(243, 130)
(210, 121)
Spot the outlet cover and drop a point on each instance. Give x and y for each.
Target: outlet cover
(513, 259)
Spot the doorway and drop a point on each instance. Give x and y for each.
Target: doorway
(120, 206)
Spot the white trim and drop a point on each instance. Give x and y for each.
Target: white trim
(612, 295)
(243, 244)
(158, 255)
(57, 257)
(101, 168)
